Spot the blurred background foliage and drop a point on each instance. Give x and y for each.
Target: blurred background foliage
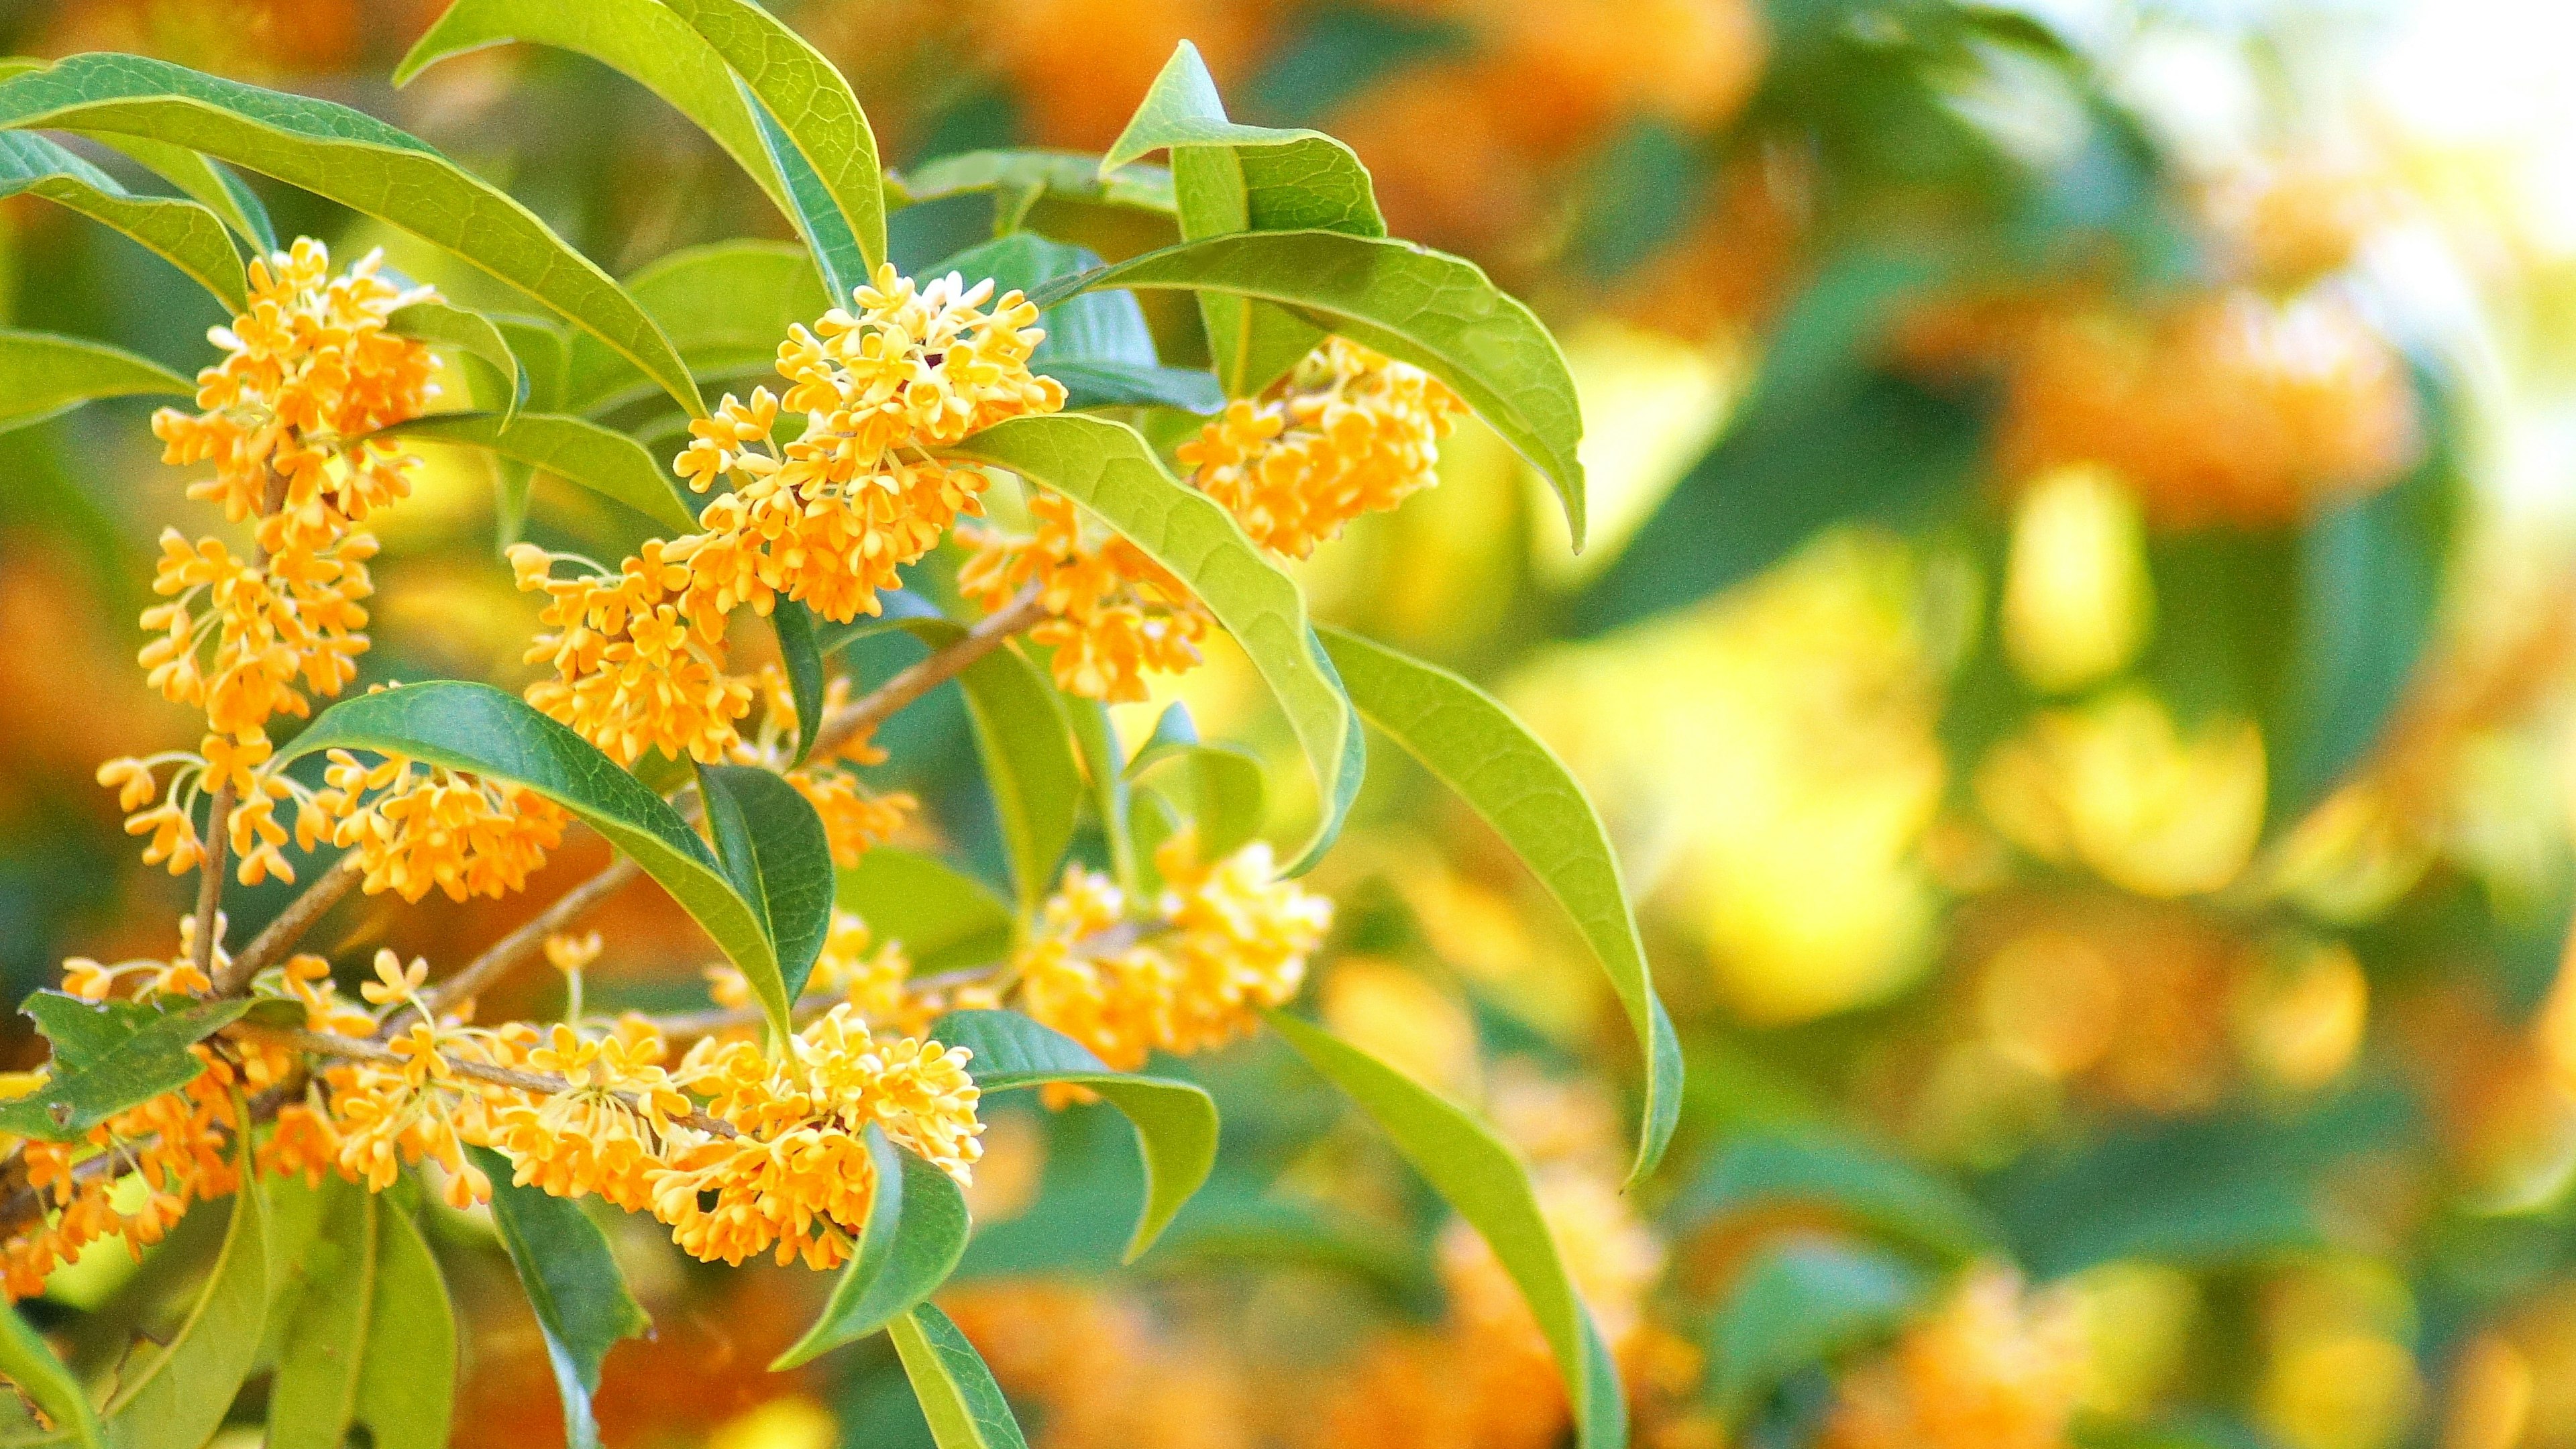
(2075, 654)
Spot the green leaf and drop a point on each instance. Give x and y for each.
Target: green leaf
(946, 920)
(965, 1407)
(1109, 470)
(1089, 384)
(641, 39)
(810, 102)
(802, 658)
(176, 1397)
(1797, 1304)
(1024, 175)
(210, 184)
(186, 235)
(1411, 303)
(828, 237)
(1480, 1178)
(1096, 344)
(573, 1283)
(725, 306)
(1230, 178)
(1028, 763)
(896, 609)
(1095, 738)
(352, 158)
(916, 1232)
(407, 1392)
(125, 1056)
(29, 1364)
(1874, 1187)
(473, 334)
(42, 373)
(1216, 788)
(578, 451)
(474, 727)
(369, 1336)
(1520, 788)
(772, 845)
(1175, 1121)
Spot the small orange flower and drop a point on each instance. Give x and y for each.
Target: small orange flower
(1114, 614)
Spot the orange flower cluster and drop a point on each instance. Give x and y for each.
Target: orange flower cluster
(177, 1145)
(826, 520)
(1991, 1370)
(1229, 940)
(421, 826)
(1347, 432)
(309, 373)
(1113, 613)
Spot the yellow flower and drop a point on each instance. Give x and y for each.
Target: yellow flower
(1347, 432)
(1114, 614)
(416, 827)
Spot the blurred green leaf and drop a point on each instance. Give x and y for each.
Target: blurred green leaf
(1216, 788)
(1519, 787)
(183, 233)
(946, 920)
(1479, 1177)
(726, 306)
(915, 1233)
(42, 373)
(1876, 1188)
(354, 159)
(175, 1393)
(1028, 763)
(772, 846)
(1107, 469)
(580, 452)
(965, 1407)
(1413, 304)
(572, 1281)
(1175, 1121)
(31, 1368)
(1799, 1303)
(1021, 176)
(369, 1335)
(120, 1055)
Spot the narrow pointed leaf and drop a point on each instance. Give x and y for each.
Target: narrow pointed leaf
(1175, 1122)
(1069, 175)
(1233, 178)
(810, 101)
(1519, 787)
(176, 1395)
(42, 373)
(1409, 302)
(1028, 763)
(958, 1397)
(1217, 789)
(32, 1369)
(142, 1053)
(772, 846)
(1109, 470)
(211, 184)
(1797, 1304)
(333, 1283)
(1095, 737)
(473, 334)
(475, 727)
(916, 1232)
(183, 233)
(802, 657)
(828, 237)
(576, 450)
(407, 1392)
(1480, 1178)
(352, 158)
(572, 1281)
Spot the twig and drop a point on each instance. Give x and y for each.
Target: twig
(323, 1043)
(210, 883)
(520, 944)
(326, 891)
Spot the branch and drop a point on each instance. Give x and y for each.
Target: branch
(539, 1084)
(520, 944)
(326, 891)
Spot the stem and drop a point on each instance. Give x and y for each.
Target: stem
(326, 891)
(520, 944)
(210, 885)
(325, 1044)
